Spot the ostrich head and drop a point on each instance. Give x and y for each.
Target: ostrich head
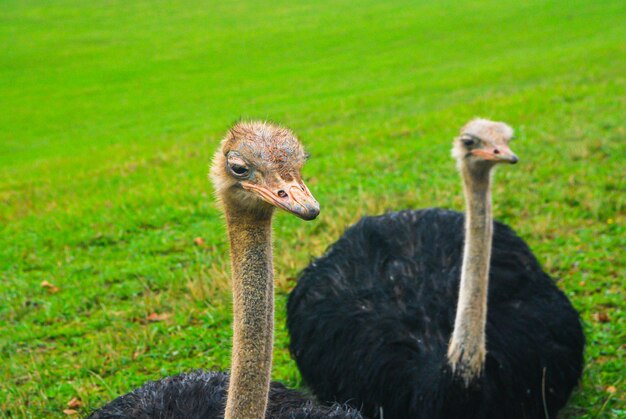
(482, 144)
(258, 168)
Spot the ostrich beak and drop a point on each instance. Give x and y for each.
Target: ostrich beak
(293, 197)
(500, 154)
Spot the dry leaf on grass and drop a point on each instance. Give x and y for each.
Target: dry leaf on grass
(70, 412)
(601, 317)
(199, 241)
(155, 317)
(611, 389)
(52, 289)
(74, 403)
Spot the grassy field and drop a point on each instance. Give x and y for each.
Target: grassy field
(110, 112)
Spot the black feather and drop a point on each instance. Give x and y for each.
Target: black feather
(370, 323)
(201, 394)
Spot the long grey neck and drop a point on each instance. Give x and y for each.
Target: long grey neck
(253, 314)
(466, 352)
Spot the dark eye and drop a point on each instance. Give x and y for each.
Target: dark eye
(238, 169)
(468, 141)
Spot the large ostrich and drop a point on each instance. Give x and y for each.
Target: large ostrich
(256, 169)
(394, 317)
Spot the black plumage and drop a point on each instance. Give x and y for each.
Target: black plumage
(202, 395)
(371, 320)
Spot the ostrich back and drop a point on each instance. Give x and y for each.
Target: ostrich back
(202, 395)
(370, 323)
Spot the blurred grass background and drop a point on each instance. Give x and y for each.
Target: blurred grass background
(110, 113)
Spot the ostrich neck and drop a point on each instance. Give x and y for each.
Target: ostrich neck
(253, 314)
(466, 352)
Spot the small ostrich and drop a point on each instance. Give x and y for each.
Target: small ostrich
(394, 317)
(256, 169)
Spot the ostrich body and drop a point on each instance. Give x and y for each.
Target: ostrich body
(202, 395)
(394, 317)
(256, 169)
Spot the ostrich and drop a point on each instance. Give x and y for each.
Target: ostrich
(256, 169)
(394, 319)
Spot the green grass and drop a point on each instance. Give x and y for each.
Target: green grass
(111, 112)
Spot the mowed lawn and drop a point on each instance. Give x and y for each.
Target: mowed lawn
(113, 258)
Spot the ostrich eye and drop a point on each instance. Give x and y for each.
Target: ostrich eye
(468, 142)
(238, 170)
(237, 166)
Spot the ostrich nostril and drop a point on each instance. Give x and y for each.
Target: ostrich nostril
(282, 194)
(496, 151)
